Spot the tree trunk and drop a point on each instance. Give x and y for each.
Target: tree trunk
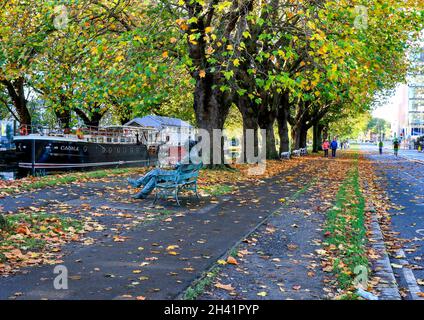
(64, 117)
(211, 107)
(64, 113)
(282, 121)
(16, 93)
(317, 138)
(303, 137)
(250, 122)
(266, 121)
(295, 136)
(93, 120)
(325, 133)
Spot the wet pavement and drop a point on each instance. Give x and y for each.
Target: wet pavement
(144, 250)
(404, 182)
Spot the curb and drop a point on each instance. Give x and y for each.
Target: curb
(387, 287)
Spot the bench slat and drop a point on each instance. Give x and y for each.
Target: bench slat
(184, 177)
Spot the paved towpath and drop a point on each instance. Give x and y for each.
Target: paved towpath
(163, 248)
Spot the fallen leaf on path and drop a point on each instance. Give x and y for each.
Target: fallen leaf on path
(227, 287)
(231, 260)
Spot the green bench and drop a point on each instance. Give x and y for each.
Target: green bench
(182, 179)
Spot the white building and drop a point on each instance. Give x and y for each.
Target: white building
(173, 131)
(408, 120)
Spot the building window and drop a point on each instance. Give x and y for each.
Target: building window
(421, 55)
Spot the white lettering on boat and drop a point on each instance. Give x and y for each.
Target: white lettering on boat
(69, 148)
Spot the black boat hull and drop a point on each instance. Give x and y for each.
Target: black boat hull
(45, 154)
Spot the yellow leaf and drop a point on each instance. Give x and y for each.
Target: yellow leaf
(202, 73)
(262, 294)
(208, 29)
(165, 54)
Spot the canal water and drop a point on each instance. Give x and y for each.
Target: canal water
(9, 175)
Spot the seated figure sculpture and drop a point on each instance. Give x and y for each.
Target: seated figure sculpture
(149, 179)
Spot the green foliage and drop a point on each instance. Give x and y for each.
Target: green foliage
(379, 126)
(131, 58)
(350, 126)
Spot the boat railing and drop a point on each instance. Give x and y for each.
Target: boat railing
(113, 134)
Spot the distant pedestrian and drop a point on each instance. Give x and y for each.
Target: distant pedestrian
(396, 147)
(325, 147)
(341, 145)
(334, 145)
(380, 146)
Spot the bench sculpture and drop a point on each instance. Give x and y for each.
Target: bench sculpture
(285, 155)
(303, 151)
(296, 153)
(184, 178)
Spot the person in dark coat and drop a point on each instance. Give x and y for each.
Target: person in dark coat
(334, 145)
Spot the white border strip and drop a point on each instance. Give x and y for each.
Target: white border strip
(28, 165)
(410, 279)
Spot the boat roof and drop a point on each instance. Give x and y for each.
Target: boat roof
(158, 122)
(128, 127)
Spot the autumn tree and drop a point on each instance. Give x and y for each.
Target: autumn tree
(24, 27)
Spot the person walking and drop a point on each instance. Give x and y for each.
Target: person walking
(334, 145)
(325, 147)
(396, 147)
(380, 146)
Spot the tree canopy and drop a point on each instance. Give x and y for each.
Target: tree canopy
(304, 63)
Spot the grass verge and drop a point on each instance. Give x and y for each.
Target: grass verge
(198, 288)
(33, 231)
(32, 183)
(346, 232)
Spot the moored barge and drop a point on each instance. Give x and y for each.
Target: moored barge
(58, 149)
